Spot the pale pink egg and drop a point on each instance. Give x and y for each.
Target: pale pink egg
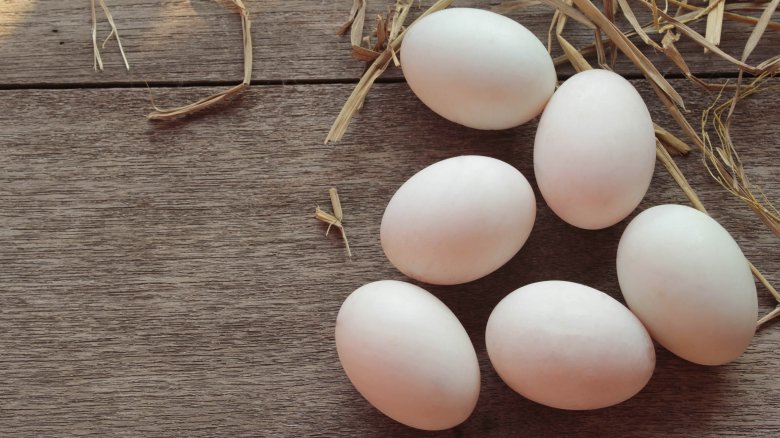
(408, 355)
(458, 220)
(594, 152)
(569, 346)
(687, 280)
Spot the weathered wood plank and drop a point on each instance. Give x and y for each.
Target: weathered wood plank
(48, 42)
(170, 279)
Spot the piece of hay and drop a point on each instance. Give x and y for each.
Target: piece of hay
(334, 220)
(97, 62)
(171, 113)
(715, 22)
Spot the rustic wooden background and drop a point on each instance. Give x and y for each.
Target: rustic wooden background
(169, 279)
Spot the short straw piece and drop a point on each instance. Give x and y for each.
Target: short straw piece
(336, 202)
(98, 61)
(759, 29)
(715, 22)
(335, 219)
(357, 18)
(629, 14)
(769, 316)
(668, 162)
(672, 143)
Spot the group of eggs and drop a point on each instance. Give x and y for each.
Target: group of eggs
(561, 344)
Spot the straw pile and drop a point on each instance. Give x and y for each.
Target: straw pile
(668, 23)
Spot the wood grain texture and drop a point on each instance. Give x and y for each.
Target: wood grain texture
(170, 280)
(48, 42)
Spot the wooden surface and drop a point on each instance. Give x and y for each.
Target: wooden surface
(170, 280)
(47, 42)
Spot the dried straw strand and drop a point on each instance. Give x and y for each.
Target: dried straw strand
(171, 113)
(758, 31)
(673, 144)
(97, 59)
(115, 32)
(97, 62)
(768, 317)
(671, 166)
(670, 50)
(629, 14)
(357, 17)
(611, 8)
(714, 22)
(572, 54)
(765, 282)
(336, 202)
(387, 29)
(402, 8)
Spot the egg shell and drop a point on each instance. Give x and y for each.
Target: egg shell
(594, 151)
(408, 355)
(569, 346)
(685, 277)
(477, 68)
(458, 220)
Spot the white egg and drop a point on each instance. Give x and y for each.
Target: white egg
(569, 346)
(458, 220)
(594, 152)
(685, 277)
(408, 355)
(477, 68)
